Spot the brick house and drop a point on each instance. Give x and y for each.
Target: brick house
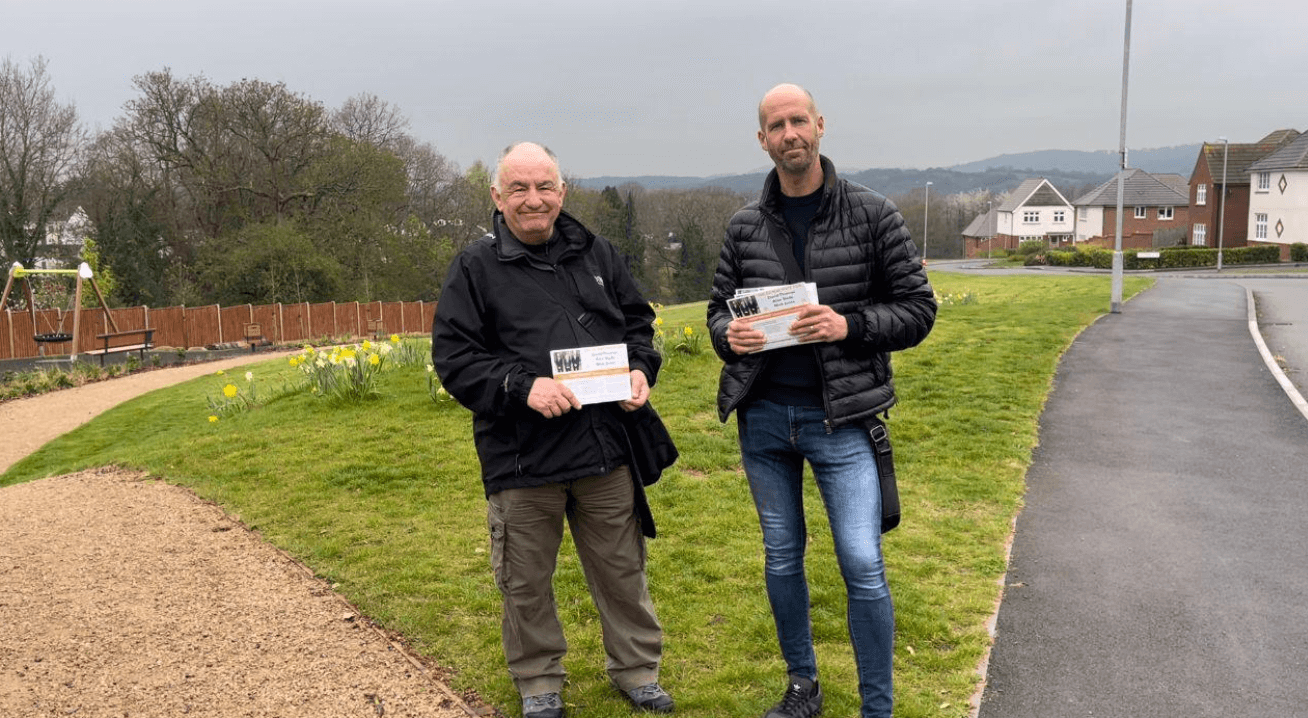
(1206, 189)
(1155, 211)
(1278, 199)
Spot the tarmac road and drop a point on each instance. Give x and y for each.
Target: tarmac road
(1158, 566)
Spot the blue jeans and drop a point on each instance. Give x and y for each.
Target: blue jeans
(775, 440)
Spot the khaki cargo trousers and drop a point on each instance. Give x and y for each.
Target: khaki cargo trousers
(526, 529)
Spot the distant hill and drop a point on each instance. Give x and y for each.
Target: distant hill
(889, 181)
(1069, 170)
(1179, 160)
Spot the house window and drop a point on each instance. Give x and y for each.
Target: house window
(1140, 212)
(1082, 214)
(1030, 216)
(1260, 226)
(1060, 216)
(1164, 212)
(1201, 194)
(1200, 235)
(1264, 181)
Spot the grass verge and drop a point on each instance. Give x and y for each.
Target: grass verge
(382, 498)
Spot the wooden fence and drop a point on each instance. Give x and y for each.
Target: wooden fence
(187, 327)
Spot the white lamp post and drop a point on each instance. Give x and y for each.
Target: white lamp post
(926, 215)
(991, 243)
(1221, 206)
(1116, 298)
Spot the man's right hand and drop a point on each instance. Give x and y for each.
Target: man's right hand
(551, 398)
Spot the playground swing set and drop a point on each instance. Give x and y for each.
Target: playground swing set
(57, 334)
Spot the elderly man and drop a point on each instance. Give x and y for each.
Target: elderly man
(818, 401)
(541, 281)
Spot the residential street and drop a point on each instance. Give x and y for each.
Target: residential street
(1157, 567)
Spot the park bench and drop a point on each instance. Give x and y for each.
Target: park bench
(112, 343)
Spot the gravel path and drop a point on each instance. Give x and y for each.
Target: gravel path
(122, 596)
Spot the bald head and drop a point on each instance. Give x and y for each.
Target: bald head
(529, 152)
(528, 191)
(784, 91)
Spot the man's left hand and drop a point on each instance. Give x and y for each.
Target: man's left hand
(639, 391)
(819, 323)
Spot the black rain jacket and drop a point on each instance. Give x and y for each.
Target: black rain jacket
(866, 268)
(501, 310)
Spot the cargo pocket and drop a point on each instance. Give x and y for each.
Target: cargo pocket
(495, 522)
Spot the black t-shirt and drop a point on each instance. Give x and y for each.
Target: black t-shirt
(792, 376)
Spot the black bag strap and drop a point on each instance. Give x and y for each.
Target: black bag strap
(785, 251)
(570, 305)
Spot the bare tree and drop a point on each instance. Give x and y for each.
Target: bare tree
(368, 118)
(40, 142)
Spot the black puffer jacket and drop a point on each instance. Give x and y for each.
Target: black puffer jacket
(502, 309)
(866, 268)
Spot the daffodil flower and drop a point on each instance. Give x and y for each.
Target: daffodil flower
(212, 418)
(230, 391)
(395, 339)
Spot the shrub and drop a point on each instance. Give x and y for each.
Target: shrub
(1299, 252)
(1030, 247)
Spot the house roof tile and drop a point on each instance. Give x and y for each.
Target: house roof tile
(1036, 192)
(1140, 189)
(1239, 156)
(983, 225)
(1290, 156)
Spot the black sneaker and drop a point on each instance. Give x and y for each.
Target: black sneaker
(803, 699)
(546, 705)
(650, 697)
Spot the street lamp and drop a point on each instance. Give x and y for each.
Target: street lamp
(1116, 297)
(926, 215)
(1221, 207)
(991, 243)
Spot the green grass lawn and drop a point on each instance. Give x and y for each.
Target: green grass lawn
(383, 499)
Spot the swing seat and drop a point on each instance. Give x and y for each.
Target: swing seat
(53, 338)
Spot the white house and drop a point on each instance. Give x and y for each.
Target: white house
(1035, 211)
(63, 241)
(1278, 198)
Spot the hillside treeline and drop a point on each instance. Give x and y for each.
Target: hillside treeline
(251, 192)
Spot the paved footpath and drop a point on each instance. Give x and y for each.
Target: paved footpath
(1159, 564)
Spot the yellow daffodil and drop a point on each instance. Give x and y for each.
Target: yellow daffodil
(230, 391)
(220, 372)
(374, 359)
(395, 339)
(367, 345)
(658, 321)
(294, 361)
(212, 418)
(688, 332)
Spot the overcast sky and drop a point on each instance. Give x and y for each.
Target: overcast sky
(632, 87)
